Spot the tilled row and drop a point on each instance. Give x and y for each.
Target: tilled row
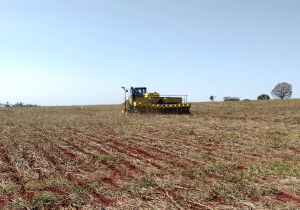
(61, 153)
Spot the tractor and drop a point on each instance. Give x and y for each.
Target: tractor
(140, 101)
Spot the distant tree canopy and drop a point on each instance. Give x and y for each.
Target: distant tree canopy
(21, 104)
(231, 99)
(283, 90)
(263, 97)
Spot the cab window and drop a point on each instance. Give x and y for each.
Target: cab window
(141, 92)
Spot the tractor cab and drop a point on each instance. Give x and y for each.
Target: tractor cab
(138, 92)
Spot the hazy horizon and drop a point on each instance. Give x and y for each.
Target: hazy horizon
(82, 52)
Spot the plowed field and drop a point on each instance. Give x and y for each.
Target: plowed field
(223, 155)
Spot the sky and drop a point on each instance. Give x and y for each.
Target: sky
(80, 52)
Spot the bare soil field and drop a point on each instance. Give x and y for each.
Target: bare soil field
(233, 155)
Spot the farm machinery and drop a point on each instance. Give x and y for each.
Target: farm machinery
(140, 101)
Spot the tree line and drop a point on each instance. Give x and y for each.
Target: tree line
(18, 104)
(282, 90)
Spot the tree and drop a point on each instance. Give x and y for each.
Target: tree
(283, 90)
(212, 98)
(263, 97)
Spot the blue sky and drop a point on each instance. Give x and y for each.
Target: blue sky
(76, 52)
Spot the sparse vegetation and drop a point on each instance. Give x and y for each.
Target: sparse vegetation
(108, 157)
(225, 155)
(41, 201)
(147, 182)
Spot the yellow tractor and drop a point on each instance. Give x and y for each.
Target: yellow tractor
(140, 101)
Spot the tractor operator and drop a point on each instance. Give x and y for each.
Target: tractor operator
(133, 93)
